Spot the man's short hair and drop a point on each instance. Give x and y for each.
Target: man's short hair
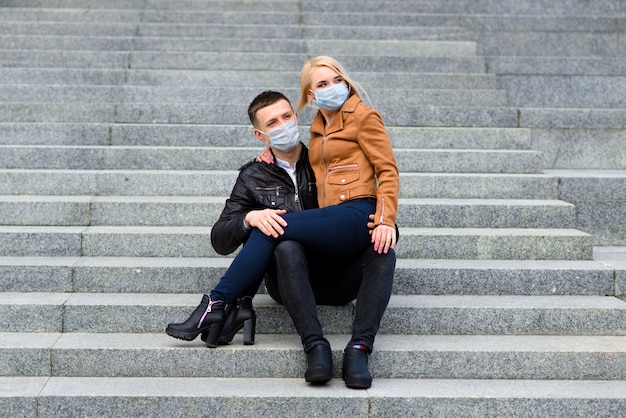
(264, 99)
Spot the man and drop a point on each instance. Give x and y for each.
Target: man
(299, 280)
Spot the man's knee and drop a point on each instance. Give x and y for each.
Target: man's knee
(289, 250)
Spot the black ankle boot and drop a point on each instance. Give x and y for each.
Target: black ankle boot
(208, 316)
(238, 315)
(354, 370)
(319, 364)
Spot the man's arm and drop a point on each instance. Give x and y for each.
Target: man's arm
(241, 213)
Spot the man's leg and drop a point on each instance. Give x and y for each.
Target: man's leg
(292, 274)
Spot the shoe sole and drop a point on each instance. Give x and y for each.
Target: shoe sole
(318, 376)
(181, 336)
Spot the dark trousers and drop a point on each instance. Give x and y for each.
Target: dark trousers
(337, 233)
(300, 283)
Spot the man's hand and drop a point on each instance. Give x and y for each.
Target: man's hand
(269, 221)
(266, 156)
(383, 236)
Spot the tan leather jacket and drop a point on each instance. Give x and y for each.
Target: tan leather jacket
(353, 158)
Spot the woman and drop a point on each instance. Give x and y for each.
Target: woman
(356, 175)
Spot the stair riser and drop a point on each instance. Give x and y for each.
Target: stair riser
(200, 362)
(273, 319)
(234, 97)
(425, 278)
(193, 183)
(139, 213)
(238, 135)
(261, 80)
(123, 158)
(94, 242)
(179, 113)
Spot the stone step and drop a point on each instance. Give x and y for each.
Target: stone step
(217, 96)
(204, 211)
(191, 241)
(240, 44)
(599, 66)
(118, 396)
(600, 199)
(480, 7)
(181, 113)
(239, 135)
(195, 60)
(242, 30)
(232, 158)
(440, 315)
(606, 275)
(220, 183)
(281, 356)
(260, 79)
(565, 91)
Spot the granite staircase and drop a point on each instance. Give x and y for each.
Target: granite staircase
(123, 124)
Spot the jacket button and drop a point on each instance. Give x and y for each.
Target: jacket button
(342, 197)
(343, 180)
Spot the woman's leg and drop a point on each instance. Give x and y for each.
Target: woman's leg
(335, 232)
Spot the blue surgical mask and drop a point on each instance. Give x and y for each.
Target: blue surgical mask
(332, 97)
(285, 137)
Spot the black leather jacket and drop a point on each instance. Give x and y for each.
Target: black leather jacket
(261, 186)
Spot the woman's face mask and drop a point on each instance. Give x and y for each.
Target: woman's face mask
(285, 137)
(331, 97)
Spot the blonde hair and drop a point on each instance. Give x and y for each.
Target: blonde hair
(306, 76)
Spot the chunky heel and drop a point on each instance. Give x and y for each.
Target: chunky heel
(249, 331)
(213, 335)
(207, 316)
(238, 315)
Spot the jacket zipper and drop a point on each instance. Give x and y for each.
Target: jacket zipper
(277, 189)
(342, 166)
(382, 211)
(327, 170)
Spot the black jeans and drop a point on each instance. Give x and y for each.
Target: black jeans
(300, 283)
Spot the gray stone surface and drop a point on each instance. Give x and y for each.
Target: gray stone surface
(614, 257)
(148, 96)
(582, 149)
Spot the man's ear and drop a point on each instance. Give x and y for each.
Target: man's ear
(260, 136)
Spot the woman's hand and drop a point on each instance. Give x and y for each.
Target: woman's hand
(266, 156)
(269, 221)
(384, 238)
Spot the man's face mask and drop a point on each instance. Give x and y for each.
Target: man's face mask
(331, 97)
(285, 137)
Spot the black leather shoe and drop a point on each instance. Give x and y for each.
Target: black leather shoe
(319, 364)
(207, 317)
(354, 371)
(238, 315)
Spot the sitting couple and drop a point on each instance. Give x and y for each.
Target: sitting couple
(318, 225)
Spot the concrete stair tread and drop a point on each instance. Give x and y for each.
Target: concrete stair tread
(294, 397)
(191, 300)
(386, 344)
